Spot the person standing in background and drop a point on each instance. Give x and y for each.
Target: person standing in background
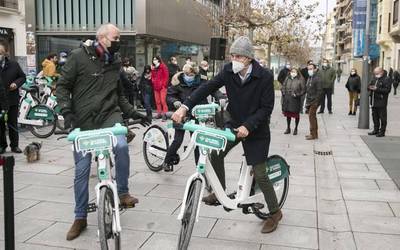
(159, 79)
(173, 68)
(353, 86)
(327, 76)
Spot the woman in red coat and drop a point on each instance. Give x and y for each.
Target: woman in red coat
(159, 78)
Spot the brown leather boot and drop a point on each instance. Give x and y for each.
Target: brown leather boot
(211, 200)
(310, 137)
(76, 228)
(127, 201)
(272, 222)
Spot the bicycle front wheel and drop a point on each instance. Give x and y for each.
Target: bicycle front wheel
(105, 219)
(49, 123)
(190, 213)
(155, 146)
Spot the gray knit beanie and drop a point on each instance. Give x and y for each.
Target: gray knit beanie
(242, 46)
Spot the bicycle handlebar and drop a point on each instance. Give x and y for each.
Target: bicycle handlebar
(192, 127)
(117, 129)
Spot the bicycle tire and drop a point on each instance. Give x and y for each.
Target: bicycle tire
(52, 125)
(105, 216)
(189, 215)
(162, 146)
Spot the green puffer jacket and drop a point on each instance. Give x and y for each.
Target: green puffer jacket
(91, 90)
(327, 76)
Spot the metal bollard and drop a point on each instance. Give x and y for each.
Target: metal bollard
(8, 189)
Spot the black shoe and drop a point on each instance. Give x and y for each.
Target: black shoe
(211, 200)
(350, 113)
(381, 134)
(2, 150)
(374, 132)
(295, 131)
(168, 167)
(354, 113)
(320, 112)
(16, 150)
(330, 112)
(287, 131)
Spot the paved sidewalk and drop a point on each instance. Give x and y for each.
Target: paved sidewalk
(342, 201)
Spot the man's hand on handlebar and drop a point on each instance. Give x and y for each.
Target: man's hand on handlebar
(242, 132)
(179, 115)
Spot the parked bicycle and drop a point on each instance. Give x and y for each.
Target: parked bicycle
(247, 197)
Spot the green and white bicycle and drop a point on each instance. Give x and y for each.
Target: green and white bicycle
(247, 197)
(100, 143)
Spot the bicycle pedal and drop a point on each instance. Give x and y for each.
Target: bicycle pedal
(91, 207)
(258, 206)
(121, 207)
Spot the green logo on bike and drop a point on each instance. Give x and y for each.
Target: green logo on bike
(95, 142)
(210, 141)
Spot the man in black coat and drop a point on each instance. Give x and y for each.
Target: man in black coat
(173, 68)
(379, 91)
(314, 94)
(13, 77)
(3, 100)
(250, 90)
(396, 80)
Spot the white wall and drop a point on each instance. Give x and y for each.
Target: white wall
(16, 21)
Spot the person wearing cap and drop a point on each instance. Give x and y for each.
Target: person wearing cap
(250, 90)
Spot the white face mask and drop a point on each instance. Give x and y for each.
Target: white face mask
(353, 73)
(293, 75)
(156, 63)
(311, 72)
(237, 66)
(205, 68)
(377, 76)
(325, 64)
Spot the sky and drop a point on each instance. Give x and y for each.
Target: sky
(321, 9)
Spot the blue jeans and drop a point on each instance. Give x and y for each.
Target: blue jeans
(147, 102)
(82, 172)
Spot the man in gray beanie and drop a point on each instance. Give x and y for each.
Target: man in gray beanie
(250, 90)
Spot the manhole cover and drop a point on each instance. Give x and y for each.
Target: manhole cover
(318, 152)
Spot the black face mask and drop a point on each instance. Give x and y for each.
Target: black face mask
(115, 45)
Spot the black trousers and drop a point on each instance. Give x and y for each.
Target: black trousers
(12, 128)
(379, 116)
(328, 94)
(176, 144)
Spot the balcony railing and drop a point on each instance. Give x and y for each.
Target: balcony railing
(11, 4)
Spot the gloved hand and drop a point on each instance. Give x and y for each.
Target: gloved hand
(177, 104)
(69, 121)
(145, 121)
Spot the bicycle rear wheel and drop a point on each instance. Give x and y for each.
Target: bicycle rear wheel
(189, 216)
(105, 218)
(155, 146)
(49, 123)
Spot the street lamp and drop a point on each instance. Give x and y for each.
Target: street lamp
(363, 119)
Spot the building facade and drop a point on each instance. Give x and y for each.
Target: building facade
(12, 29)
(344, 35)
(329, 38)
(148, 27)
(385, 41)
(394, 27)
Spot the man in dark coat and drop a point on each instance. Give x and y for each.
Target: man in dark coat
(327, 76)
(13, 78)
(3, 101)
(314, 94)
(379, 91)
(396, 81)
(91, 97)
(250, 90)
(173, 68)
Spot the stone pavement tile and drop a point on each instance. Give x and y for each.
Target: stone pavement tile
(331, 194)
(327, 174)
(157, 204)
(17, 187)
(331, 207)
(44, 179)
(336, 240)
(375, 167)
(168, 191)
(19, 205)
(159, 178)
(272, 247)
(26, 246)
(302, 170)
(25, 228)
(333, 222)
(364, 175)
(169, 242)
(42, 193)
(302, 180)
(363, 184)
(375, 224)
(302, 190)
(356, 159)
(250, 231)
(163, 223)
(301, 203)
(372, 195)
(347, 153)
(396, 208)
(41, 168)
(140, 188)
(387, 185)
(369, 241)
(328, 182)
(369, 208)
(55, 236)
(351, 166)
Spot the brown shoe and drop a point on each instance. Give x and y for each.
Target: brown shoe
(211, 200)
(271, 223)
(127, 201)
(76, 228)
(310, 137)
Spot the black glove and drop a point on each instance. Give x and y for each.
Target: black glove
(145, 121)
(69, 121)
